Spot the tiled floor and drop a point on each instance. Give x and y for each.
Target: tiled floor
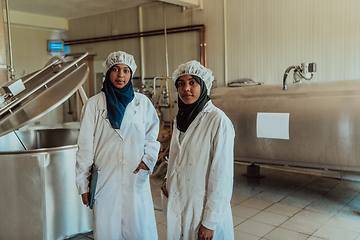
(289, 205)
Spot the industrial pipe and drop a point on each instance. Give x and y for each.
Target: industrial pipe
(200, 28)
(11, 64)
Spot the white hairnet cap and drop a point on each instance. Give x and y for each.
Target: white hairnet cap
(120, 57)
(195, 68)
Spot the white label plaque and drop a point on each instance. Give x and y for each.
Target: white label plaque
(272, 125)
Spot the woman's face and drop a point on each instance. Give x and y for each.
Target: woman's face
(188, 88)
(120, 75)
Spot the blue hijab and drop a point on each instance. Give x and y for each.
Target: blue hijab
(117, 99)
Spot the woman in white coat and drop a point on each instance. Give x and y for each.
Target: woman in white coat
(199, 180)
(118, 135)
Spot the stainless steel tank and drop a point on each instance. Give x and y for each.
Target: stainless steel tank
(38, 195)
(323, 123)
(39, 199)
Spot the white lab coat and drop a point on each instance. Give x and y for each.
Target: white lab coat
(200, 177)
(123, 207)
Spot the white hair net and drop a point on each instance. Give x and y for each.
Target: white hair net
(195, 68)
(120, 57)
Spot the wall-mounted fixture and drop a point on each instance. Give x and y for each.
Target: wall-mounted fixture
(304, 71)
(55, 45)
(183, 3)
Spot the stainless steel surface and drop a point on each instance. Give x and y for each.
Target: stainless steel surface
(39, 199)
(11, 65)
(83, 96)
(44, 91)
(323, 126)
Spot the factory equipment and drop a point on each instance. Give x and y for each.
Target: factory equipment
(39, 199)
(305, 71)
(37, 93)
(312, 125)
(244, 82)
(161, 97)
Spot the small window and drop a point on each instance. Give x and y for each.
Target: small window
(55, 45)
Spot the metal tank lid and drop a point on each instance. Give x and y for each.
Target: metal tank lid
(26, 99)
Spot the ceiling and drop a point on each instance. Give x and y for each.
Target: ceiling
(72, 8)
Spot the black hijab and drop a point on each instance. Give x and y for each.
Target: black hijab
(188, 112)
(117, 99)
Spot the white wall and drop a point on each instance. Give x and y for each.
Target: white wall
(267, 36)
(263, 38)
(29, 48)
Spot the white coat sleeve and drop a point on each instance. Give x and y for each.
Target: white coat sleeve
(85, 153)
(220, 180)
(152, 146)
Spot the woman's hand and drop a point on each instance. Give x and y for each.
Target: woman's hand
(86, 198)
(205, 233)
(142, 165)
(163, 188)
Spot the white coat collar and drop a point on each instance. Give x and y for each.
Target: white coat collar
(209, 107)
(130, 113)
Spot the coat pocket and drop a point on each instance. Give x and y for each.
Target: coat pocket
(141, 178)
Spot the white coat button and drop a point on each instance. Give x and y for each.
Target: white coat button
(120, 182)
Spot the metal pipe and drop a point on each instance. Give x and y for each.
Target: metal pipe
(201, 48)
(11, 67)
(204, 45)
(166, 46)
(200, 28)
(41, 70)
(225, 46)
(134, 35)
(21, 142)
(82, 95)
(142, 58)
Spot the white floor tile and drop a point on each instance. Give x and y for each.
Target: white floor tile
(283, 209)
(301, 226)
(333, 233)
(245, 212)
(255, 228)
(236, 199)
(157, 201)
(256, 203)
(313, 216)
(237, 220)
(159, 216)
(244, 236)
(344, 223)
(161, 228)
(270, 218)
(284, 234)
(315, 238)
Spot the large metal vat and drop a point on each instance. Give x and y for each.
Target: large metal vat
(38, 195)
(323, 123)
(39, 199)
